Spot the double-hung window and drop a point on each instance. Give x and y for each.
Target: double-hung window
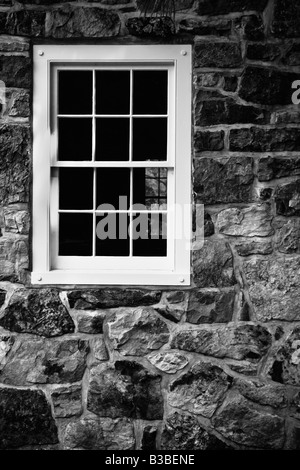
(111, 164)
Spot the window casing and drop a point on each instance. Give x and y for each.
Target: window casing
(75, 146)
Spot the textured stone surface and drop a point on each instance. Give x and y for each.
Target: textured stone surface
(2, 297)
(287, 199)
(69, 22)
(293, 56)
(6, 343)
(289, 116)
(213, 265)
(67, 401)
(262, 393)
(212, 113)
(37, 361)
(287, 235)
(168, 361)
(14, 163)
(19, 105)
(149, 438)
(16, 221)
(38, 312)
(15, 71)
(14, 258)
(209, 228)
(256, 139)
(247, 248)
(25, 419)
(223, 7)
(184, 432)
(274, 288)
(126, 389)
(286, 19)
(253, 221)
(250, 27)
(201, 28)
(99, 434)
(217, 54)
(150, 27)
(209, 141)
(264, 52)
(210, 307)
(91, 322)
(137, 331)
(285, 368)
(171, 313)
(223, 180)
(111, 298)
(200, 390)
(244, 368)
(243, 341)
(264, 86)
(272, 167)
(99, 349)
(23, 23)
(239, 421)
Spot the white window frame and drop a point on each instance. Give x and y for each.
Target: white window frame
(174, 269)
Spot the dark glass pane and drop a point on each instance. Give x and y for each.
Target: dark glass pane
(76, 188)
(150, 187)
(112, 235)
(112, 139)
(75, 139)
(112, 92)
(149, 233)
(113, 183)
(150, 92)
(75, 234)
(75, 92)
(149, 139)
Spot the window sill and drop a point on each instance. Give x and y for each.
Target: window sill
(150, 278)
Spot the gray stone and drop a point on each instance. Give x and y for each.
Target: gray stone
(2, 297)
(184, 432)
(223, 7)
(292, 57)
(274, 288)
(241, 341)
(149, 438)
(137, 331)
(257, 139)
(67, 401)
(125, 389)
(287, 235)
(201, 390)
(23, 23)
(263, 393)
(264, 52)
(14, 258)
(169, 362)
(289, 116)
(213, 265)
(112, 298)
(250, 27)
(175, 297)
(16, 221)
(207, 79)
(38, 361)
(203, 28)
(99, 349)
(6, 343)
(209, 141)
(99, 434)
(215, 112)
(19, 105)
(225, 180)
(210, 306)
(272, 167)
(171, 313)
(14, 163)
(217, 54)
(240, 421)
(230, 83)
(79, 22)
(39, 312)
(161, 27)
(285, 367)
(255, 247)
(25, 419)
(15, 71)
(91, 322)
(268, 87)
(253, 221)
(14, 44)
(287, 199)
(243, 367)
(286, 19)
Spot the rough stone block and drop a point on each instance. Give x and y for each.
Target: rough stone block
(126, 389)
(242, 341)
(37, 311)
(257, 139)
(169, 362)
(285, 367)
(112, 298)
(137, 331)
(217, 54)
(272, 167)
(292, 57)
(14, 258)
(16, 220)
(15, 71)
(149, 438)
(263, 393)
(91, 322)
(253, 221)
(250, 27)
(203, 28)
(286, 19)
(201, 390)
(25, 419)
(209, 141)
(210, 307)
(162, 27)
(254, 247)
(287, 199)
(23, 23)
(274, 288)
(264, 52)
(221, 181)
(67, 401)
(287, 235)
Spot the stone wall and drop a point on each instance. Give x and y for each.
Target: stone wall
(215, 366)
